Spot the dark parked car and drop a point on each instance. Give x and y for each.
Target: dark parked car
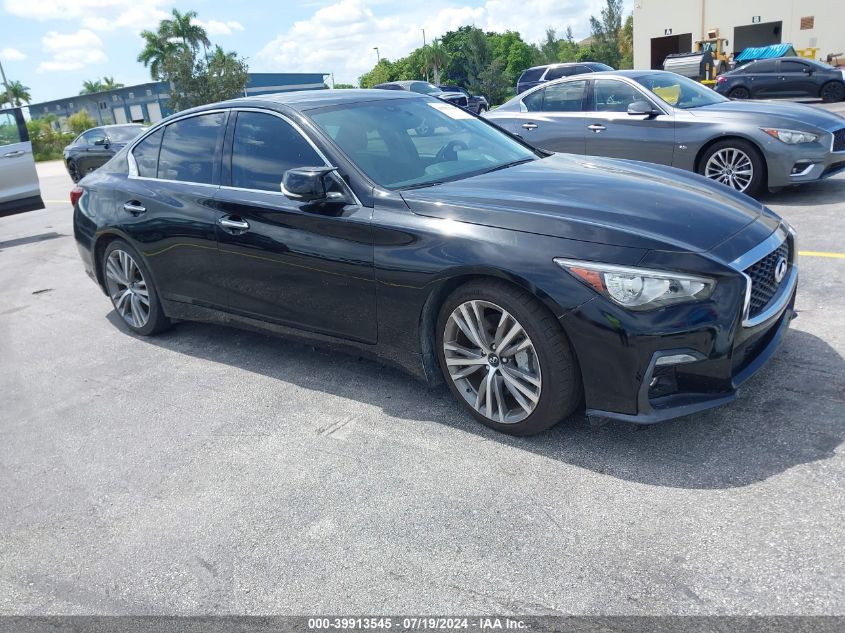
(662, 117)
(784, 77)
(541, 74)
(476, 103)
(95, 147)
(530, 282)
(456, 97)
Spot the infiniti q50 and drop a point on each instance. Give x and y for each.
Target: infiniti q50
(532, 283)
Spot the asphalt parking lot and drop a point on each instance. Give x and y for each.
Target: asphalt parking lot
(210, 470)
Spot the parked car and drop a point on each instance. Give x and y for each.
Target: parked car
(95, 147)
(530, 282)
(784, 77)
(19, 187)
(476, 103)
(664, 118)
(549, 72)
(456, 97)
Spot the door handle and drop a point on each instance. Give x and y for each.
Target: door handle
(596, 127)
(529, 126)
(234, 225)
(17, 152)
(134, 207)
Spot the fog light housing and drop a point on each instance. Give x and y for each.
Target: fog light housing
(801, 167)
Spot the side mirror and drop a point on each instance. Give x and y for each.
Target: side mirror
(642, 108)
(808, 70)
(101, 141)
(308, 184)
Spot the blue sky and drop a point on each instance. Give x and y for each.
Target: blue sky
(52, 46)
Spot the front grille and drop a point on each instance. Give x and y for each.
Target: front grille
(763, 283)
(839, 140)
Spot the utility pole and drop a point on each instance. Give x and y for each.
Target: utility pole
(8, 90)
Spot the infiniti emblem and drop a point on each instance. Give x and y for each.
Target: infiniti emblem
(780, 270)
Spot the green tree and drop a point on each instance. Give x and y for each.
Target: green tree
(157, 48)
(80, 121)
(605, 33)
(549, 47)
(90, 87)
(17, 94)
(343, 86)
(182, 27)
(380, 73)
(198, 80)
(110, 84)
(436, 59)
(567, 50)
(491, 82)
(626, 43)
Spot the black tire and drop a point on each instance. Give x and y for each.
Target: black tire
(481, 110)
(739, 92)
(759, 176)
(157, 321)
(832, 92)
(561, 391)
(73, 170)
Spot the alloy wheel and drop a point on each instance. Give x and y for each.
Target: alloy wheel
(127, 288)
(75, 176)
(492, 362)
(732, 167)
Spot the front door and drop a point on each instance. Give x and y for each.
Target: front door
(19, 189)
(612, 132)
(796, 79)
(298, 264)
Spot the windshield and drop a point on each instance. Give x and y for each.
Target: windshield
(124, 134)
(679, 91)
(417, 142)
(425, 88)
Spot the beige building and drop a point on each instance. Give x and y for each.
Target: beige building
(662, 27)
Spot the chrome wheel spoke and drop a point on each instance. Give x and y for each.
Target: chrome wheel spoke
(127, 288)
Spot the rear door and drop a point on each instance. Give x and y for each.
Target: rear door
(763, 79)
(554, 117)
(19, 188)
(612, 132)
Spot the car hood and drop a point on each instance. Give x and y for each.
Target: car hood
(800, 115)
(607, 201)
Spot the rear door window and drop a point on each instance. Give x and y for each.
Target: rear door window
(763, 68)
(190, 149)
(146, 154)
(532, 74)
(564, 97)
(560, 71)
(264, 148)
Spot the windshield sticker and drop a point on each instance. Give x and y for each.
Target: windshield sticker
(451, 111)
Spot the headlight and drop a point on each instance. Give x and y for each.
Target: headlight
(791, 137)
(639, 288)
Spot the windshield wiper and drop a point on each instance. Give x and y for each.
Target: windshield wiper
(511, 164)
(420, 185)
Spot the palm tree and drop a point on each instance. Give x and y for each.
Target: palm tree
(110, 84)
(182, 27)
(18, 93)
(156, 49)
(90, 87)
(436, 58)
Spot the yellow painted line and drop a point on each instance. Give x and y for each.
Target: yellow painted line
(821, 254)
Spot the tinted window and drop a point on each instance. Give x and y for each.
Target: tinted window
(92, 136)
(565, 97)
(146, 154)
(614, 96)
(189, 149)
(424, 87)
(792, 67)
(9, 132)
(264, 148)
(597, 66)
(560, 71)
(534, 101)
(762, 67)
(532, 74)
(124, 134)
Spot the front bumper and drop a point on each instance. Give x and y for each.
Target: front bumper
(805, 162)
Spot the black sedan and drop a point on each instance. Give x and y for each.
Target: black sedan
(530, 282)
(95, 147)
(784, 77)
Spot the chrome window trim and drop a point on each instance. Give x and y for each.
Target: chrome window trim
(784, 292)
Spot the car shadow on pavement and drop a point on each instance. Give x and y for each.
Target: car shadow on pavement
(829, 191)
(791, 413)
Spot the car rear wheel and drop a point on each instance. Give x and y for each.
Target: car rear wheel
(739, 93)
(481, 109)
(506, 359)
(736, 164)
(833, 91)
(73, 170)
(129, 285)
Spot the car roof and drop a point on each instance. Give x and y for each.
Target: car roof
(309, 99)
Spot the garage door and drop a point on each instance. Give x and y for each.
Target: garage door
(119, 115)
(154, 110)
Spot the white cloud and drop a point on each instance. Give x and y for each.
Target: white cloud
(71, 51)
(216, 27)
(340, 37)
(12, 55)
(94, 14)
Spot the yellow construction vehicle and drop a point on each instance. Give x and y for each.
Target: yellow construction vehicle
(716, 46)
(705, 62)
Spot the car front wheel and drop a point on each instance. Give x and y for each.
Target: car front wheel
(130, 287)
(736, 164)
(506, 359)
(832, 92)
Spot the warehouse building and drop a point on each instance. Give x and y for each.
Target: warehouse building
(149, 102)
(663, 27)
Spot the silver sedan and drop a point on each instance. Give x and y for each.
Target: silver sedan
(661, 117)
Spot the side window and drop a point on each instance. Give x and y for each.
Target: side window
(9, 131)
(560, 71)
(146, 154)
(532, 74)
(614, 96)
(189, 149)
(792, 67)
(93, 136)
(264, 148)
(765, 68)
(534, 101)
(565, 97)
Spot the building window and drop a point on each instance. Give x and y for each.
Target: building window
(70, 105)
(149, 92)
(808, 22)
(114, 97)
(58, 108)
(131, 95)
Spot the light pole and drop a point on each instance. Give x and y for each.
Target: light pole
(8, 90)
(426, 68)
(378, 57)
